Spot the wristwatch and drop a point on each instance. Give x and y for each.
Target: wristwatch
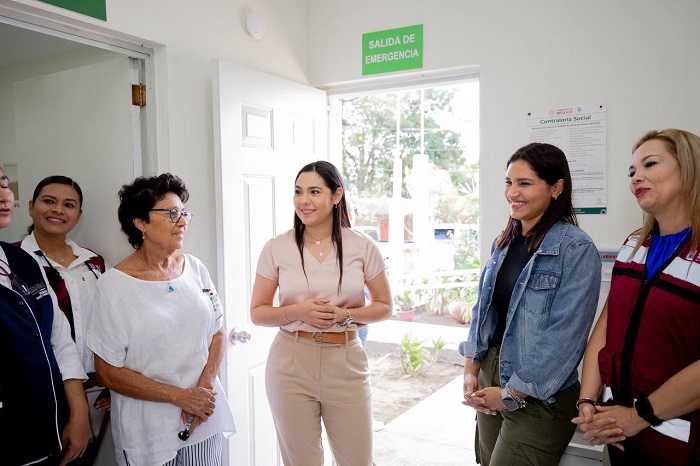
(509, 402)
(646, 412)
(349, 320)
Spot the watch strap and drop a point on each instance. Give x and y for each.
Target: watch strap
(589, 401)
(511, 400)
(646, 411)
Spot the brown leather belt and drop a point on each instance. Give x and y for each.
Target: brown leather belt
(324, 337)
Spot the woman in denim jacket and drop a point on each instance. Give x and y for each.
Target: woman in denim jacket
(538, 295)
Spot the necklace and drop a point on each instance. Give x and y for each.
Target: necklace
(170, 287)
(318, 242)
(60, 259)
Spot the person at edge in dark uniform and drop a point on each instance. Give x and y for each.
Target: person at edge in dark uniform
(43, 410)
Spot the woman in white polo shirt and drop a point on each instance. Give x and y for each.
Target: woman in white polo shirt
(72, 272)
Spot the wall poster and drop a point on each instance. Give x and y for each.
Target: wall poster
(581, 132)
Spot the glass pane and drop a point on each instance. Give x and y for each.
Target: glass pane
(443, 123)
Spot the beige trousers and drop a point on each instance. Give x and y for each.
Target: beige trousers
(307, 382)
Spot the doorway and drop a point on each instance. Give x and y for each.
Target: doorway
(31, 54)
(410, 156)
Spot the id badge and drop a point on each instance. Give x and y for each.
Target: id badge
(216, 304)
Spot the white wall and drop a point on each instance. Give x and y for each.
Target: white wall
(638, 56)
(192, 35)
(8, 153)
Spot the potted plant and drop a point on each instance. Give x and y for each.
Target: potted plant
(406, 305)
(461, 304)
(440, 295)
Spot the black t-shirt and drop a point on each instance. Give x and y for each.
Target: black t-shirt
(513, 264)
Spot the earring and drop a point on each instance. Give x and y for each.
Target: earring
(335, 206)
(143, 234)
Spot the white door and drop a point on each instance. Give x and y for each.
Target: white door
(81, 123)
(267, 129)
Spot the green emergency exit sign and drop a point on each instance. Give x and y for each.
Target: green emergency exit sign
(95, 8)
(392, 50)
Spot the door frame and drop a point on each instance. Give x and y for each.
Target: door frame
(52, 24)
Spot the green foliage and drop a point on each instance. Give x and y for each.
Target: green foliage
(466, 250)
(369, 139)
(379, 127)
(370, 143)
(439, 295)
(406, 300)
(439, 345)
(414, 357)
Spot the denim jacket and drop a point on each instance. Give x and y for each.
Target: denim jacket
(550, 314)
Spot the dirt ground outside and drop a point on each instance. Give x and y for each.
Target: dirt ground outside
(392, 391)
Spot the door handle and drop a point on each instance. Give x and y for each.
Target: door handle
(239, 336)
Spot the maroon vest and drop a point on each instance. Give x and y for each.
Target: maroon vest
(96, 264)
(653, 332)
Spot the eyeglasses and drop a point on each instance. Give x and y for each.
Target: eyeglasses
(175, 214)
(17, 283)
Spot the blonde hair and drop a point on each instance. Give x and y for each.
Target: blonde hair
(685, 147)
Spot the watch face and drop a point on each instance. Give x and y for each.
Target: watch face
(347, 321)
(510, 404)
(508, 401)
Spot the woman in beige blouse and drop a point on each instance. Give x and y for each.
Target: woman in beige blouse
(317, 368)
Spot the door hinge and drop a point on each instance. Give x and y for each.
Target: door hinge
(138, 95)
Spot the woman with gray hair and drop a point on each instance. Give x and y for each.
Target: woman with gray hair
(158, 337)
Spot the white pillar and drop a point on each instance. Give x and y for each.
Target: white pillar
(396, 222)
(422, 234)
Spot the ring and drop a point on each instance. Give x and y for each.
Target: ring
(190, 419)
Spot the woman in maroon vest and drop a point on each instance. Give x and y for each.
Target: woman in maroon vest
(72, 272)
(640, 390)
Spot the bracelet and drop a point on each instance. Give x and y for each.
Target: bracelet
(589, 401)
(348, 320)
(284, 312)
(518, 399)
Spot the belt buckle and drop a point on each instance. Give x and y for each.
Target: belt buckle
(313, 337)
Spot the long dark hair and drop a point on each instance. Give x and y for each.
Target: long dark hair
(55, 179)
(550, 164)
(334, 180)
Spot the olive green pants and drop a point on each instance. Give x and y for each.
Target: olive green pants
(536, 435)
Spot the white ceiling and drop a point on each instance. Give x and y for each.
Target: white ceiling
(19, 45)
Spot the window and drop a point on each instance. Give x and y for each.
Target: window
(437, 193)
